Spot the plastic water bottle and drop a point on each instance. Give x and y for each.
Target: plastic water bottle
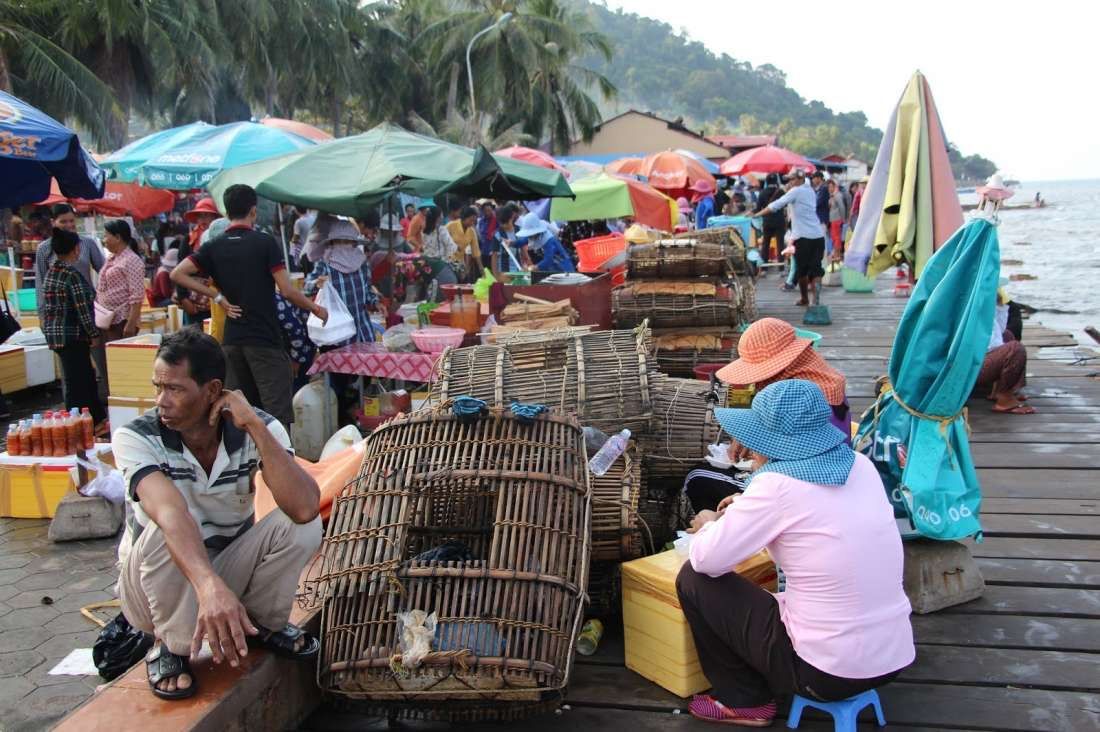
(615, 446)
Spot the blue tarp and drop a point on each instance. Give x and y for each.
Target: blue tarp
(34, 149)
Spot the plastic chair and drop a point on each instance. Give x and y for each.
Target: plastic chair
(843, 712)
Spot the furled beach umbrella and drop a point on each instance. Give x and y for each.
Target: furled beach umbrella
(194, 162)
(765, 159)
(119, 199)
(530, 155)
(298, 128)
(123, 164)
(609, 197)
(352, 175)
(910, 206)
(624, 166)
(671, 171)
(916, 432)
(36, 149)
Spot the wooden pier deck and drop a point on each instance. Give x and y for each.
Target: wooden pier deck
(1025, 656)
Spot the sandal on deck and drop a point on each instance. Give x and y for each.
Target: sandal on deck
(161, 665)
(1018, 409)
(283, 642)
(708, 709)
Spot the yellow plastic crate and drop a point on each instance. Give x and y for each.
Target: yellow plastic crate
(658, 639)
(130, 365)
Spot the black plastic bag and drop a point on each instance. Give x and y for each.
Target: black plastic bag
(118, 647)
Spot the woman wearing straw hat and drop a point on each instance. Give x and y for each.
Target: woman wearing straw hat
(702, 195)
(540, 238)
(841, 626)
(769, 350)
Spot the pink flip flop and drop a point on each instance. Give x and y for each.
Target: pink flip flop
(708, 709)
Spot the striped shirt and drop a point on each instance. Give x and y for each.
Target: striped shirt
(354, 289)
(221, 502)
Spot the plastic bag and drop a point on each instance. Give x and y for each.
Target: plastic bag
(118, 647)
(340, 326)
(482, 285)
(398, 339)
(108, 482)
(416, 629)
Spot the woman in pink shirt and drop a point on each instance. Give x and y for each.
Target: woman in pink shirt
(842, 624)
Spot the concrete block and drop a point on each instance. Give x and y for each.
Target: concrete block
(85, 517)
(940, 574)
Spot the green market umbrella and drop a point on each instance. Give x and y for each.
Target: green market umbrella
(124, 165)
(916, 432)
(194, 161)
(910, 206)
(605, 196)
(352, 175)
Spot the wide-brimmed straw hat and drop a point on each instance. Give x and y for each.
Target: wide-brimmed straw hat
(636, 234)
(203, 206)
(531, 225)
(170, 259)
(766, 348)
(995, 189)
(788, 420)
(702, 185)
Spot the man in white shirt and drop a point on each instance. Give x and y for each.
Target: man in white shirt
(809, 237)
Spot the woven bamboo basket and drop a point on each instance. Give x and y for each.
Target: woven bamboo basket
(678, 258)
(517, 497)
(684, 425)
(615, 532)
(635, 302)
(744, 290)
(729, 236)
(679, 351)
(603, 376)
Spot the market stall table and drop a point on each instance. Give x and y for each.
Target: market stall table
(372, 359)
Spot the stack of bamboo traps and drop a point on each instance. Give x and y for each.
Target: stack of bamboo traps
(679, 351)
(726, 236)
(684, 425)
(453, 569)
(528, 313)
(603, 377)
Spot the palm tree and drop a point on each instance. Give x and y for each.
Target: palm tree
(35, 68)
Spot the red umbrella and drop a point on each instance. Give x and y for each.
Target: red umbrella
(765, 159)
(624, 166)
(119, 199)
(298, 128)
(532, 156)
(671, 171)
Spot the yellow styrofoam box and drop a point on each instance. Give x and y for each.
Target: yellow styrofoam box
(13, 369)
(154, 320)
(31, 487)
(130, 365)
(657, 636)
(123, 410)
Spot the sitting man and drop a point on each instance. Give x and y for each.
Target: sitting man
(841, 626)
(198, 565)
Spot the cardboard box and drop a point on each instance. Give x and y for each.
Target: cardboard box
(13, 369)
(658, 639)
(31, 487)
(130, 365)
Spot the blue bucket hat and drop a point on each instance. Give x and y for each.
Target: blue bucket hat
(788, 420)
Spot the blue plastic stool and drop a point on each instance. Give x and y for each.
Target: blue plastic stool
(844, 712)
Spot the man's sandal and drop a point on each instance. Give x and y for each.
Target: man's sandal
(284, 642)
(161, 665)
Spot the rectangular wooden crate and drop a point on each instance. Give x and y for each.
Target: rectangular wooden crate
(130, 365)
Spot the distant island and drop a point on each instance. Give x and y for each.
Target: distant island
(657, 69)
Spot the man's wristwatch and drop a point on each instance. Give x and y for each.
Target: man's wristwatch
(219, 299)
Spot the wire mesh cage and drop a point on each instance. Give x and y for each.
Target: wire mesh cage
(482, 526)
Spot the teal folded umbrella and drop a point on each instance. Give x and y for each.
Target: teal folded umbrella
(916, 432)
(124, 165)
(194, 161)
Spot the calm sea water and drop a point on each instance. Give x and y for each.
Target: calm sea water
(1060, 246)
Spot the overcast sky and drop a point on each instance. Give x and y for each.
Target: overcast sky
(1016, 82)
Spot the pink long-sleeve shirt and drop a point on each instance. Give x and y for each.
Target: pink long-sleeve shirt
(844, 607)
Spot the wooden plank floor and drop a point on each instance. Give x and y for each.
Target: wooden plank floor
(1025, 656)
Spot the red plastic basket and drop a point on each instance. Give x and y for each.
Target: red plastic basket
(618, 275)
(597, 250)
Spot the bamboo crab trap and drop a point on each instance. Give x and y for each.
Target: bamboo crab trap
(678, 352)
(684, 425)
(615, 532)
(602, 377)
(683, 303)
(679, 258)
(496, 626)
(726, 236)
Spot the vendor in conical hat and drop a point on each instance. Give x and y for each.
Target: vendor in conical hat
(770, 351)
